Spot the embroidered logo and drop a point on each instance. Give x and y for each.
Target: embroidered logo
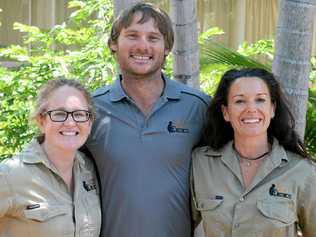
(273, 191)
(89, 185)
(175, 128)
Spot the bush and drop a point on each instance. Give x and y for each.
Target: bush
(76, 49)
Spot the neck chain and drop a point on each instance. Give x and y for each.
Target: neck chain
(247, 160)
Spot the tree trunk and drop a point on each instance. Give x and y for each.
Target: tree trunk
(186, 50)
(293, 44)
(121, 5)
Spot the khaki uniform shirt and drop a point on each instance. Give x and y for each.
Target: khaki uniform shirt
(281, 197)
(35, 201)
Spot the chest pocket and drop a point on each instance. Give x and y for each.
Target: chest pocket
(49, 220)
(280, 211)
(212, 216)
(210, 209)
(45, 213)
(208, 204)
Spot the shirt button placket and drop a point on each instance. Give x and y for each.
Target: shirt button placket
(237, 213)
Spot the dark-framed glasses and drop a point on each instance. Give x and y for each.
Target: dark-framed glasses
(58, 115)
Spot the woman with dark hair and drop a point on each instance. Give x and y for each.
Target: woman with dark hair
(255, 177)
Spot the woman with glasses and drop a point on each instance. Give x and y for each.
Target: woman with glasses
(50, 189)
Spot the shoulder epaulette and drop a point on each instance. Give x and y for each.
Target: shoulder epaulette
(101, 91)
(197, 93)
(207, 152)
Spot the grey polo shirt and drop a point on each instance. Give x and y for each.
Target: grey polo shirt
(143, 162)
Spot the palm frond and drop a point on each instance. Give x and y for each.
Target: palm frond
(215, 53)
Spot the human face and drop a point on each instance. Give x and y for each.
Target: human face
(69, 135)
(249, 108)
(140, 49)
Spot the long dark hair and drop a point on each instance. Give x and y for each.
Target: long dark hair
(218, 132)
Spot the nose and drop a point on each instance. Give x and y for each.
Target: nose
(143, 43)
(70, 120)
(251, 107)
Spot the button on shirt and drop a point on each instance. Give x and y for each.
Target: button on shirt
(282, 194)
(35, 201)
(144, 161)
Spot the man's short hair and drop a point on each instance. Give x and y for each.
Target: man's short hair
(148, 12)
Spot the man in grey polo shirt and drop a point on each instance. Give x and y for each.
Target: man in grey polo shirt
(145, 130)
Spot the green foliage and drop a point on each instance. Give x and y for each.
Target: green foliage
(313, 71)
(310, 132)
(215, 58)
(261, 47)
(78, 49)
(75, 49)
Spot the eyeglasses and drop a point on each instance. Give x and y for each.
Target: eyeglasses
(79, 116)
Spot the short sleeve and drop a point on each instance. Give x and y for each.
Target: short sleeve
(196, 216)
(307, 205)
(6, 197)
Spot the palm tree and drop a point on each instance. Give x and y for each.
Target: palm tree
(293, 52)
(120, 5)
(185, 51)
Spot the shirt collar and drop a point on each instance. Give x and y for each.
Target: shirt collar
(172, 90)
(277, 158)
(116, 92)
(278, 155)
(34, 153)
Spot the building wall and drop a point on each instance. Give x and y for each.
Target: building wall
(41, 13)
(242, 20)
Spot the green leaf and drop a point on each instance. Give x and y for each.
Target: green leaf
(210, 33)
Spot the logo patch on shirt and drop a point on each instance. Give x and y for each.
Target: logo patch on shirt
(278, 192)
(177, 127)
(89, 185)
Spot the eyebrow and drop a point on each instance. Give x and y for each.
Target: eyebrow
(64, 109)
(242, 95)
(136, 31)
(59, 108)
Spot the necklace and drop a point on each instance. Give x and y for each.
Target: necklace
(247, 160)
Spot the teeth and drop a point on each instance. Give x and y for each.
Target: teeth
(141, 57)
(69, 133)
(251, 120)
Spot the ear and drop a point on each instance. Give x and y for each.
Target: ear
(225, 113)
(40, 121)
(273, 110)
(167, 51)
(90, 126)
(113, 47)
